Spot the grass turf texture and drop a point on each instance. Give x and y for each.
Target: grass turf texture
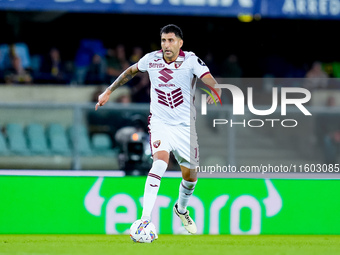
(169, 244)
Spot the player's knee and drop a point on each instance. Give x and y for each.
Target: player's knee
(161, 155)
(190, 179)
(189, 175)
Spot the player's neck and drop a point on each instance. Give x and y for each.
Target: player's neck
(169, 60)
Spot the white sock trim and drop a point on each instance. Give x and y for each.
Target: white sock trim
(188, 185)
(185, 191)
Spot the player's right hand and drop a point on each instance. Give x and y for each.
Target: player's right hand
(103, 98)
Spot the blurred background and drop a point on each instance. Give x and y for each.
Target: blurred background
(57, 56)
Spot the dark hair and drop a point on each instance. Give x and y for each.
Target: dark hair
(171, 28)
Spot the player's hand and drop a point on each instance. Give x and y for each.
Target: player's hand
(210, 100)
(103, 98)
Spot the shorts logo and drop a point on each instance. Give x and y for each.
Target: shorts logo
(156, 143)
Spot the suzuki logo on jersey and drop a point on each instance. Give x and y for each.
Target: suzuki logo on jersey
(172, 99)
(165, 75)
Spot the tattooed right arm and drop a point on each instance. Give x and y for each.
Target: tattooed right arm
(127, 75)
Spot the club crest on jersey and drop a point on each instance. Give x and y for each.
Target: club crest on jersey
(156, 143)
(178, 64)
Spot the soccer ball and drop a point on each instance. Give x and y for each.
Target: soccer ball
(143, 231)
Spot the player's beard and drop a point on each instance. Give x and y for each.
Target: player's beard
(170, 55)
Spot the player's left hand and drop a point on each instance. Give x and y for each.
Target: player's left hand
(210, 100)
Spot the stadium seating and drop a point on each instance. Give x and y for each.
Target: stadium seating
(37, 142)
(102, 144)
(87, 48)
(83, 139)
(57, 140)
(3, 145)
(21, 50)
(59, 143)
(16, 139)
(51, 146)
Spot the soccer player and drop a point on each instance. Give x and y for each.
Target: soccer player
(173, 74)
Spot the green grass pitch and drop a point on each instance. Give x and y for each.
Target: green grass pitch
(169, 244)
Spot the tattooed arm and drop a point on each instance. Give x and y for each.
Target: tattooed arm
(127, 75)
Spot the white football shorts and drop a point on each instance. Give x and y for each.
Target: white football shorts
(180, 140)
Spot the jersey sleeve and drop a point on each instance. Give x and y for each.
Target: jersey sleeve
(142, 64)
(199, 67)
